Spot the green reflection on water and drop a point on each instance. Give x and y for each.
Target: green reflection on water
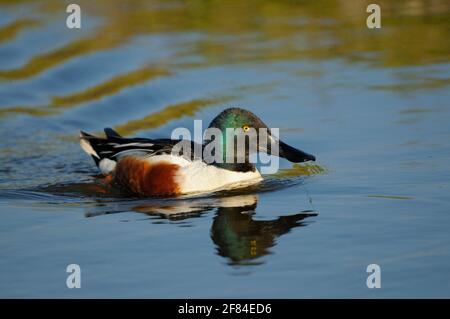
(299, 170)
(232, 32)
(264, 30)
(109, 87)
(11, 30)
(168, 114)
(106, 88)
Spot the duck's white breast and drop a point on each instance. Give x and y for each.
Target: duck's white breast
(198, 177)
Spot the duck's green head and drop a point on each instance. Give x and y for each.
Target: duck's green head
(237, 118)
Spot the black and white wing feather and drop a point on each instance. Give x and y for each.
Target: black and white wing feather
(106, 151)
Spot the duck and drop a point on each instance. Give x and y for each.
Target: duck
(146, 167)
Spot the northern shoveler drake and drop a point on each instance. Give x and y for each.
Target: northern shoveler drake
(149, 167)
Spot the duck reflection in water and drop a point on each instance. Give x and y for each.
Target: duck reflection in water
(241, 239)
(238, 237)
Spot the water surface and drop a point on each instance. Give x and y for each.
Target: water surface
(372, 105)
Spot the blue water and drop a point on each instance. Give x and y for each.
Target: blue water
(376, 118)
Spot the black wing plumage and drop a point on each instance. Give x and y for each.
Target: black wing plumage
(113, 145)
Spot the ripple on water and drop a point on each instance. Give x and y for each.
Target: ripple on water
(101, 199)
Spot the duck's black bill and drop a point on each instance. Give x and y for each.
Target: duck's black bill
(294, 155)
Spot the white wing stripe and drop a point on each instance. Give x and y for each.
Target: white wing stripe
(133, 144)
(133, 150)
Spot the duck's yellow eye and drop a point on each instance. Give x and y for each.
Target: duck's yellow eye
(246, 128)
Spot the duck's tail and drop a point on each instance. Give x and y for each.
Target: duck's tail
(98, 148)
